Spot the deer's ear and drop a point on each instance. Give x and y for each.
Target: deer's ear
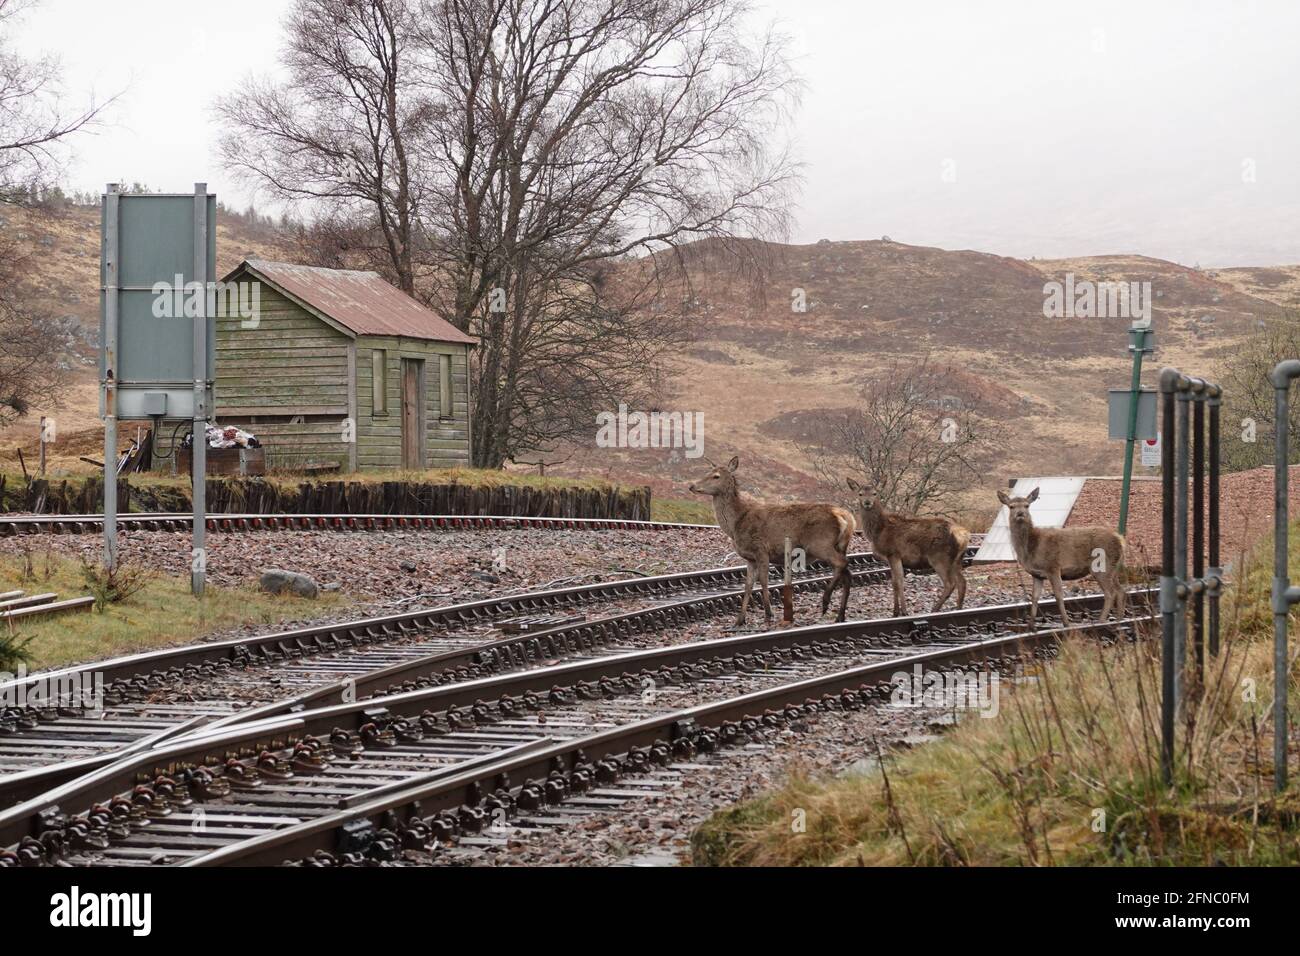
(734, 463)
(853, 485)
(1033, 496)
(1002, 497)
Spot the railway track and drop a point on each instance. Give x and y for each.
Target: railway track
(11, 525)
(362, 781)
(153, 696)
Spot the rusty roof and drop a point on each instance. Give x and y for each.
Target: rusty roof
(361, 302)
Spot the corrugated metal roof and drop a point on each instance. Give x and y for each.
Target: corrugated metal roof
(360, 301)
(1056, 496)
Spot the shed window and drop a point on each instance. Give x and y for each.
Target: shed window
(379, 381)
(445, 409)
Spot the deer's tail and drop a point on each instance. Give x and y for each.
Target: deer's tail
(961, 536)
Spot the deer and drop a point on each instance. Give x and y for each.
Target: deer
(914, 543)
(1065, 554)
(758, 532)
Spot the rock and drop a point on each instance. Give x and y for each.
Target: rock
(332, 586)
(277, 581)
(408, 566)
(486, 576)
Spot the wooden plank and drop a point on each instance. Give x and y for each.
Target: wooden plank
(54, 607)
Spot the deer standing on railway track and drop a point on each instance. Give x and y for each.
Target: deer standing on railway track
(758, 532)
(1065, 554)
(917, 544)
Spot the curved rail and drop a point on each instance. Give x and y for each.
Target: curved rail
(133, 793)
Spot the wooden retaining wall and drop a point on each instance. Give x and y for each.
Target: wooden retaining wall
(257, 496)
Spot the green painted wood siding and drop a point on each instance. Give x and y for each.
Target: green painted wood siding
(379, 437)
(288, 365)
(293, 364)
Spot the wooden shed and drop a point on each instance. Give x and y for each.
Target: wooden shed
(340, 368)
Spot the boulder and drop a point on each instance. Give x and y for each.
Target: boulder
(277, 581)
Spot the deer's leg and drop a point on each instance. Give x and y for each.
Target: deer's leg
(958, 570)
(949, 580)
(762, 580)
(1059, 591)
(843, 572)
(1037, 589)
(744, 598)
(1106, 580)
(1121, 595)
(896, 575)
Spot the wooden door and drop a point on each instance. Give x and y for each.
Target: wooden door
(412, 414)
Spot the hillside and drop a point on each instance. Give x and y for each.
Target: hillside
(760, 371)
(62, 255)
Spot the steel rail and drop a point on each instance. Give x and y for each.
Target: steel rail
(427, 670)
(168, 521)
(139, 673)
(352, 728)
(414, 817)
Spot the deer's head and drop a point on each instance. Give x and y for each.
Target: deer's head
(1018, 508)
(868, 503)
(719, 481)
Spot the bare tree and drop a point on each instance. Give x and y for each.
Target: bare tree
(1249, 412)
(917, 438)
(525, 167)
(335, 134)
(34, 348)
(34, 119)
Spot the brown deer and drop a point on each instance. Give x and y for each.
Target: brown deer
(758, 532)
(917, 544)
(1065, 554)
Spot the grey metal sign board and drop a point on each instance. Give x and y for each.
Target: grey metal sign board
(1119, 410)
(147, 263)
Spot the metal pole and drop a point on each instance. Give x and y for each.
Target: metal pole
(1139, 341)
(1214, 570)
(1283, 594)
(1198, 524)
(1168, 383)
(199, 444)
(1180, 541)
(109, 384)
(42, 446)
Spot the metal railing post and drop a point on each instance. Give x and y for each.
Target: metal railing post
(1214, 572)
(1168, 600)
(1284, 595)
(1198, 524)
(1180, 541)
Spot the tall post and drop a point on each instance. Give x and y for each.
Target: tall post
(1198, 525)
(1168, 599)
(44, 426)
(1180, 540)
(1215, 571)
(1283, 594)
(109, 383)
(1135, 391)
(199, 444)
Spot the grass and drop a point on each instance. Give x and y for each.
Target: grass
(682, 510)
(161, 613)
(1067, 774)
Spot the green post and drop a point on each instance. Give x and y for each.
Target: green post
(1138, 345)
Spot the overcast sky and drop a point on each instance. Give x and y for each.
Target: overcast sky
(1163, 127)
